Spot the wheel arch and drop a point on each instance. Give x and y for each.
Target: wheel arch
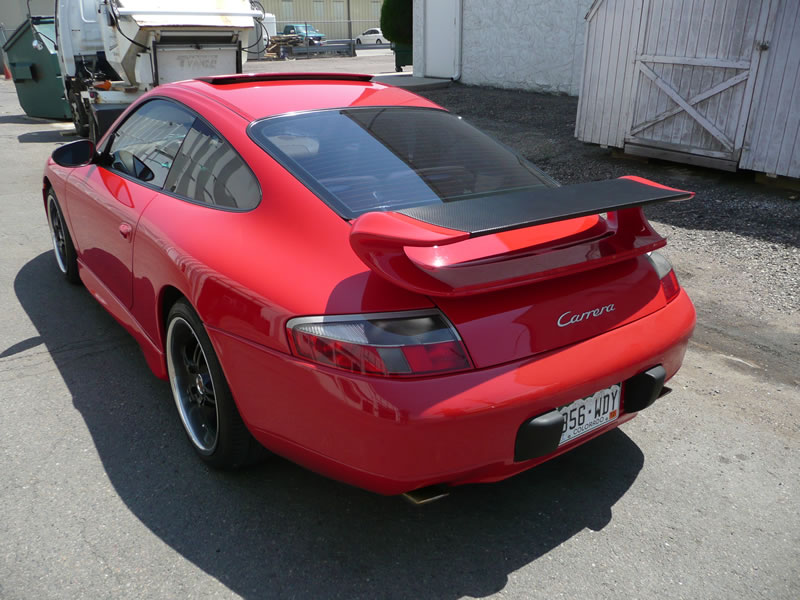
(167, 298)
(46, 187)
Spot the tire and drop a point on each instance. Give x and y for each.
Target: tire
(79, 117)
(63, 248)
(202, 396)
(94, 130)
(378, 41)
(358, 41)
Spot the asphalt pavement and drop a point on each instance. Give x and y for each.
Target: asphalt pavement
(102, 496)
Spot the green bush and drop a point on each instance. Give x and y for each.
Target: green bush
(397, 21)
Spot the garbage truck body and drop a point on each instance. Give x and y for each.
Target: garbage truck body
(113, 51)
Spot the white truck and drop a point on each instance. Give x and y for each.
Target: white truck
(113, 51)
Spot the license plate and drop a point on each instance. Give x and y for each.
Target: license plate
(586, 414)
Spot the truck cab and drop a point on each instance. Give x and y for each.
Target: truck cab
(305, 31)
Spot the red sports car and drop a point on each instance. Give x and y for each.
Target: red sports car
(358, 280)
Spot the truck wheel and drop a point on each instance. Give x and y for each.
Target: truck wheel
(94, 129)
(79, 117)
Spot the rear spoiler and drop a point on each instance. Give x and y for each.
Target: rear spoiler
(457, 248)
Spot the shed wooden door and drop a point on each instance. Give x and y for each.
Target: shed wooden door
(694, 69)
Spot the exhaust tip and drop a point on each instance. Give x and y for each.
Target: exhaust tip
(426, 495)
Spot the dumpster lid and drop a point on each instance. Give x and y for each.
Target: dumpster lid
(43, 26)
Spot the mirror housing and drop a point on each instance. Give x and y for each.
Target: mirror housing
(75, 154)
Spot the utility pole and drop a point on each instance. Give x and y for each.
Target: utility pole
(349, 23)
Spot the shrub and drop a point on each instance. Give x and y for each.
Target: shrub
(397, 21)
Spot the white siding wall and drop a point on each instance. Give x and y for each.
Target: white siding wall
(519, 44)
(524, 44)
(328, 16)
(418, 47)
(772, 138)
(605, 99)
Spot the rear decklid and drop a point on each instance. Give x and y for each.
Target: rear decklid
(441, 209)
(520, 274)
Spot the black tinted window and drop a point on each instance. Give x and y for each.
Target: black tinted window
(208, 170)
(146, 144)
(368, 159)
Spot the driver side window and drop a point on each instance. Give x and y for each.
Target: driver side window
(146, 144)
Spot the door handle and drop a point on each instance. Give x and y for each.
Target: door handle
(125, 230)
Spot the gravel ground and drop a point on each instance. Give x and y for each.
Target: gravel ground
(745, 235)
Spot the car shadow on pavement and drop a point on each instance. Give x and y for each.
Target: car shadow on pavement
(277, 530)
(22, 119)
(47, 137)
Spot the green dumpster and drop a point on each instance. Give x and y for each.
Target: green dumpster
(403, 56)
(33, 62)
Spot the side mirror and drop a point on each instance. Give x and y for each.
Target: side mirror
(74, 154)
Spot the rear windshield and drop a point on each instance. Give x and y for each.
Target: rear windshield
(378, 159)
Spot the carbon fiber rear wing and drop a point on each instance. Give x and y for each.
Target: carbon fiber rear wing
(453, 248)
(484, 216)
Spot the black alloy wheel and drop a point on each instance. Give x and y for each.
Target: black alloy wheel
(202, 396)
(63, 249)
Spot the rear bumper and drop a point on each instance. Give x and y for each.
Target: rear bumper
(391, 436)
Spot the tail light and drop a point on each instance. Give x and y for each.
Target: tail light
(388, 344)
(669, 281)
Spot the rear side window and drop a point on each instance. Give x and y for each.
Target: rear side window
(208, 170)
(389, 158)
(146, 144)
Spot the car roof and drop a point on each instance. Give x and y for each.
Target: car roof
(258, 95)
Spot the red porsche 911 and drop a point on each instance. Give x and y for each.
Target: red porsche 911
(347, 274)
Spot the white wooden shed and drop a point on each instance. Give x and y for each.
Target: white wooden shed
(709, 82)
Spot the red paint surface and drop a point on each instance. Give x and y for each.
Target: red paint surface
(247, 273)
(391, 436)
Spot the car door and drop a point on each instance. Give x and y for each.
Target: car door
(107, 198)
